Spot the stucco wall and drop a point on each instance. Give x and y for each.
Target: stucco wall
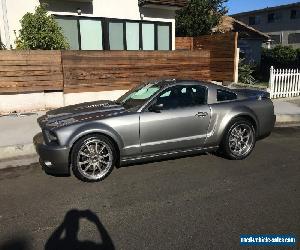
(251, 49)
(45, 101)
(123, 9)
(282, 27)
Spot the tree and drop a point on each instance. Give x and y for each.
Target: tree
(2, 46)
(199, 17)
(40, 31)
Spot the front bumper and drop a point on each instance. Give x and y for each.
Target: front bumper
(54, 159)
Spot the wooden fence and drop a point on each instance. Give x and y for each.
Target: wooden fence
(94, 71)
(223, 52)
(284, 83)
(30, 71)
(207, 58)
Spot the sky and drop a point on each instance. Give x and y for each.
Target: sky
(236, 6)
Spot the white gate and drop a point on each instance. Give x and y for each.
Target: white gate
(284, 83)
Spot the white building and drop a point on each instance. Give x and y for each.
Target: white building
(101, 24)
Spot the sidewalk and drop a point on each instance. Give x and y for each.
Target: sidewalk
(17, 131)
(287, 110)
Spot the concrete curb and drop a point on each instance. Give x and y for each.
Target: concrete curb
(17, 151)
(287, 118)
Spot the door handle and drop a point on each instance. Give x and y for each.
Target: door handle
(201, 114)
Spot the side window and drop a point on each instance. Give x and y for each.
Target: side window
(223, 95)
(182, 96)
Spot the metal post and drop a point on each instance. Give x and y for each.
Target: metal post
(271, 82)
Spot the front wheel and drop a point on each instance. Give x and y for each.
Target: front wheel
(239, 140)
(93, 158)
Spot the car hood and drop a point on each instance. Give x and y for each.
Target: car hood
(80, 112)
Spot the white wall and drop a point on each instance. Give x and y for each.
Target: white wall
(45, 101)
(16, 9)
(123, 9)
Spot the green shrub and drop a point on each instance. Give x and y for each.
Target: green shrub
(246, 72)
(2, 46)
(298, 57)
(281, 57)
(40, 31)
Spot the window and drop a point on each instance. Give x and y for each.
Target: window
(276, 39)
(148, 36)
(254, 20)
(183, 96)
(294, 38)
(139, 96)
(91, 34)
(295, 14)
(274, 17)
(133, 36)
(70, 30)
(163, 33)
(116, 36)
(223, 95)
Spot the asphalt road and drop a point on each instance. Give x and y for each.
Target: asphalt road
(200, 202)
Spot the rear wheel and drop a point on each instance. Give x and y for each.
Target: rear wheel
(239, 139)
(93, 158)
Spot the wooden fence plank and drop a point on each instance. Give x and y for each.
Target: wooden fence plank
(30, 71)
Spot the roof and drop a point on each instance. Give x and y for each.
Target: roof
(172, 3)
(170, 82)
(297, 4)
(229, 24)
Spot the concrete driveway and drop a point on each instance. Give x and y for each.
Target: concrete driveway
(201, 202)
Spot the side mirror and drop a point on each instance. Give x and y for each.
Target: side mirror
(156, 108)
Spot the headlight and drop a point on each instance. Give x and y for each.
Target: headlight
(51, 136)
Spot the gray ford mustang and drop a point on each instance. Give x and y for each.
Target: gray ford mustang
(154, 120)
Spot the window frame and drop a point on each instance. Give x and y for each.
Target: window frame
(227, 91)
(79, 32)
(105, 30)
(150, 102)
(254, 18)
(295, 14)
(274, 42)
(277, 16)
(296, 34)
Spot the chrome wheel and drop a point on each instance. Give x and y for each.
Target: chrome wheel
(241, 140)
(94, 159)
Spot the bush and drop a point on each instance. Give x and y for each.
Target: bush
(281, 57)
(40, 31)
(246, 72)
(2, 46)
(298, 57)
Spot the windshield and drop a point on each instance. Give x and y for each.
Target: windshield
(137, 97)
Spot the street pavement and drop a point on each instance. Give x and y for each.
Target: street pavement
(199, 202)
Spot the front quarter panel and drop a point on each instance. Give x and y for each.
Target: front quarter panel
(124, 130)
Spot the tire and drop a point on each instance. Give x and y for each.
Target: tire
(235, 144)
(93, 158)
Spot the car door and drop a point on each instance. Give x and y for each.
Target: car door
(181, 124)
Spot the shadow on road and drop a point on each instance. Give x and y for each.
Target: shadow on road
(162, 159)
(66, 235)
(16, 244)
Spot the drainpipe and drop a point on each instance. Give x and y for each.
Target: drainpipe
(5, 24)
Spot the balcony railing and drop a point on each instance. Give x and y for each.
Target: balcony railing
(172, 3)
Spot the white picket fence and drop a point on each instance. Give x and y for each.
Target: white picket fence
(284, 83)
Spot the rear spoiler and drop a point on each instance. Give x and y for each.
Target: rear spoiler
(253, 93)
